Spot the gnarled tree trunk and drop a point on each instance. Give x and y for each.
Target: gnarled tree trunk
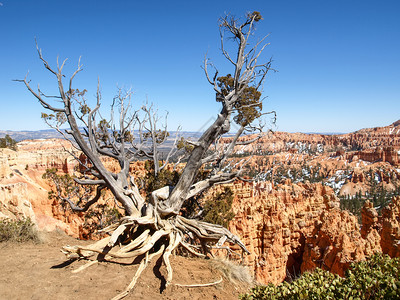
(154, 227)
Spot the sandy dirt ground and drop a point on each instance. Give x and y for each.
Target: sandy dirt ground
(41, 271)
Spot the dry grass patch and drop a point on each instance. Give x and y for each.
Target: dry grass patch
(233, 271)
(19, 231)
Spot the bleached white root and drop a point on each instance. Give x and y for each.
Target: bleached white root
(200, 284)
(87, 251)
(191, 250)
(141, 239)
(142, 267)
(174, 240)
(135, 237)
(87, 265)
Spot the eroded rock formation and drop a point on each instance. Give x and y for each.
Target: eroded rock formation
(289, 227)
(385, 139)
(23, 192)
(13, 202)
(294, 228)
(336, 242)
(390, 234)
(275, 223)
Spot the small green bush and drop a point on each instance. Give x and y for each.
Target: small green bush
(18, 231)
(375, 278)
(219, 210)
(8, 142)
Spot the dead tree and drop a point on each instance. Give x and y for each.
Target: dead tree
(154, 226)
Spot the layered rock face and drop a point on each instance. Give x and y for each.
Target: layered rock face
(23, 192)
(336, 242)
(379, 137)
(46, 154)
(13, 202)
(384, 154)
(275, 223)
(4, 163)
(390, 232)
(292, 228)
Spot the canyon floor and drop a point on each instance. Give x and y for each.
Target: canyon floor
(41, 271)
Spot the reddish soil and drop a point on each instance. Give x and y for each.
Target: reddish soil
(41, 271)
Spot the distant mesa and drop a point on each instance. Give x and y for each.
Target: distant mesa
(397, 123)
(325, 133)
(51, 133)
(31, 135)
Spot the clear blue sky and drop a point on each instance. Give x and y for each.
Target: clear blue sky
(338, 60)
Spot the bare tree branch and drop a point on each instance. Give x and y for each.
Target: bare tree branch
(154, 226)
(87, 204)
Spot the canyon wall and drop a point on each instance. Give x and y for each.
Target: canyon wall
(292, 228)
(288, 228)
(279, 225)
(384, 154)
(13, 202)
(23, 192)
(370, 144)
(390, 228)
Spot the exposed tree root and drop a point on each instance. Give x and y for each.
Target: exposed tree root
(149, 237)
(139, 271)
(87, 265)
(200, 284)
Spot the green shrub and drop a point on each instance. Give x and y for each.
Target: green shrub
(219, 210)
(163, 178)
(8, 142)
(375, 278)
(18, 231)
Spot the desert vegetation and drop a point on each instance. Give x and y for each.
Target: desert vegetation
(379, 196)
(18, 231)
(375, 278)
(8, 142)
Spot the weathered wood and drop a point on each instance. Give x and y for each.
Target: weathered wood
(158, 221)
(142, 267)
(200, 284)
